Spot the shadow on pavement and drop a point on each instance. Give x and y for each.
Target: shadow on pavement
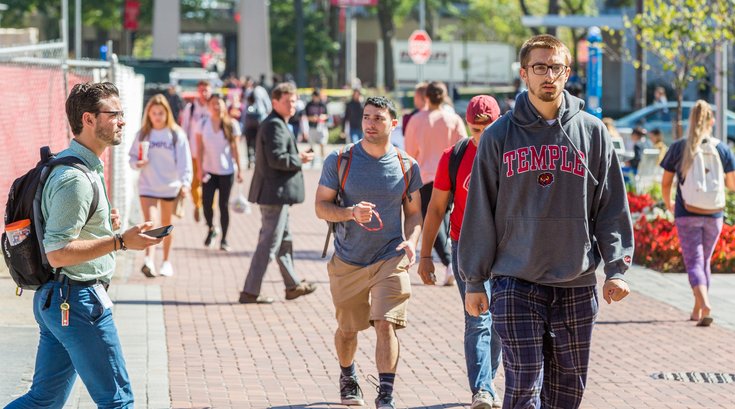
(327, 405)
(154, 302)
(635, 322)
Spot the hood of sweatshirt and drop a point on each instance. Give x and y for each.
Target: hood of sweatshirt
(524, 114)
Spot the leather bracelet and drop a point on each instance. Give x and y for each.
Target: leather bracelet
(427, 257)
(122, 242)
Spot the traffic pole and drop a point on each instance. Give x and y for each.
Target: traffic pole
(594, 72)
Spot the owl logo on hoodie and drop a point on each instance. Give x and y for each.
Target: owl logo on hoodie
(545, 179)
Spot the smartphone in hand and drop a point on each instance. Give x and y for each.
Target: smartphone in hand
(160, 232)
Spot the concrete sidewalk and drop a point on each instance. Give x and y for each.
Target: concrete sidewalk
(189, 344)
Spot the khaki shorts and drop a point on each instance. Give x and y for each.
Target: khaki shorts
(362, 295)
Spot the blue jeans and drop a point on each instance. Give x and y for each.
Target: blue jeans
(355, 135)
(89, 346)
(481, 342)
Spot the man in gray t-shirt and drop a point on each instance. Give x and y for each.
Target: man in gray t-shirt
(379, 181)
(368, 274)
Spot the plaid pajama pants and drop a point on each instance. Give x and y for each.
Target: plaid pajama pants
(546, 334)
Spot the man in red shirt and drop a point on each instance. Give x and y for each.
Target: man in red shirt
(482, 345)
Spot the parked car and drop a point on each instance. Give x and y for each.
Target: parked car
(660, 116)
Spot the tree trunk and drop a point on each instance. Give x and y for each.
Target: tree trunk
(575, 51)
(553, 10)
(524, 9)
(337, 58)
(387, 31)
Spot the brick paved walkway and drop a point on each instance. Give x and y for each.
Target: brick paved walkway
(225, 355)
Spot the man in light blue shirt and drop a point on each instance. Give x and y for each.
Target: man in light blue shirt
(77, 332)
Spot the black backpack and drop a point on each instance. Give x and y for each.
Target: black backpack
(455, 158)
(344, 160)
(27, 260)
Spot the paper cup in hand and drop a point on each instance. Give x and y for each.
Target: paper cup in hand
(143, 152)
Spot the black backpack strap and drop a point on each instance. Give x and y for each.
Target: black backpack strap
(455, 158)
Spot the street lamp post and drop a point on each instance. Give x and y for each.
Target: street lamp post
(594, 72)
(78, 29)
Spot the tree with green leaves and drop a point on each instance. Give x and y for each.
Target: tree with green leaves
(391, 13)
(320, 47)
(480, 20)
(683, 34)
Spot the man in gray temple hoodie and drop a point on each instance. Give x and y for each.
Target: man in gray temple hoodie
(546, 206)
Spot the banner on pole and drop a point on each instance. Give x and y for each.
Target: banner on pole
(132, 10)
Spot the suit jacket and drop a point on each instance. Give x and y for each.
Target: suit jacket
(277, 178)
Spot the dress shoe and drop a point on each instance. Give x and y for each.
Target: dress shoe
(246, 298)
(303, 288)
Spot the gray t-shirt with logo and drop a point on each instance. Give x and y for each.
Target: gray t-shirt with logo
(375, 180)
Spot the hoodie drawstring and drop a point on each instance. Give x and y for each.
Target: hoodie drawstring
(577, 150)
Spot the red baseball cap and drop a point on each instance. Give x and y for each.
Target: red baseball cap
(482, 110)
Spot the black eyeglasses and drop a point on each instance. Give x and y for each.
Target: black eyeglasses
(542, 69)
(118, 114)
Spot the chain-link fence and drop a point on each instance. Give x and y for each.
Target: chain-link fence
(34, 83)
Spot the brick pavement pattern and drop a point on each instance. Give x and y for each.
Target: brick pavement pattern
(222, 354)
(226, 355)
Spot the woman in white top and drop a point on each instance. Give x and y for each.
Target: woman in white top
(217, 138)
(161, 152)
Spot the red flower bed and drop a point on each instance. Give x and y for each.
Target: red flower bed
(723, 259)
(657, 243)
(637, 203)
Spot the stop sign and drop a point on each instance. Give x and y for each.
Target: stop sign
(419, 47)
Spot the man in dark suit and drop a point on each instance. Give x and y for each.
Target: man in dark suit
(277, 183)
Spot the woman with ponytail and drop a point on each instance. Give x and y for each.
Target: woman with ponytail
(217, 139)
(698, 228)
(161, 152)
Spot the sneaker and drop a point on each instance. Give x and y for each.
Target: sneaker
(303, 288)
(349, 391)
(210, 236)
(224, 246)
(246, 298)
(148, 269)
(497, 402)
(483, 400)
(449, 276)
(384, 401)
(167, 270)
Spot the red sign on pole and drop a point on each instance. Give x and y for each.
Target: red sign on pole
(419, 47)
(132, 10)
(343, 3)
